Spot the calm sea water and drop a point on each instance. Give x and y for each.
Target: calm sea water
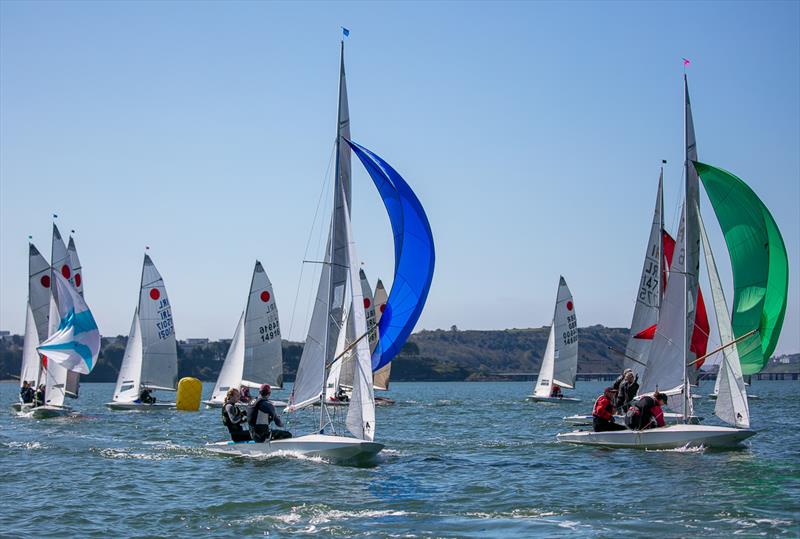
(462, 460)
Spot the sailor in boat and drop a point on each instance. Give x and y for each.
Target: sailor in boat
(234, 418)
(146, 397)
(342, 396)
(260, 413)
(647, 412)
(244, 394)
(628, 390)
(38, 397)
(555, 392)
(603, 413)
(26, 393)
(621, 378)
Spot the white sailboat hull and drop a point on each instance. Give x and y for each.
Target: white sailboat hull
(670, 417)
(312, 445)
(671, 437)
(22, 407)
(534, 398)
(48, 410)
(123, 406)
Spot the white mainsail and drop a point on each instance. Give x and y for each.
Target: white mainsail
(263, 353)
(566, 338)
(648, 298)
(231, 373)
(692, 239)
(30, 357)
(380, 378)
(130, 372)
(361, 412)
(731, 405)
(544, 382)
(159, 348)
(327, 319)
(666, 367)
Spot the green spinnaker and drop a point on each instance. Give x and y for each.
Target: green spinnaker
(759, 262)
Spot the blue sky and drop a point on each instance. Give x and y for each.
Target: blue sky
(531, 132)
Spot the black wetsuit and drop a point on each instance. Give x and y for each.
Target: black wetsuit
(260, 413)
(233, 418)
(640, 416)
(26, 394)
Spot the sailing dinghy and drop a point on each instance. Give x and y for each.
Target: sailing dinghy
(760, 275)
(151, 354)
(338, 293)
(255, 355)
(560, 361)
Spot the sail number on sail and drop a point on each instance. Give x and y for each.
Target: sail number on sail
(571, 335)
(649, 290)
(165, 327)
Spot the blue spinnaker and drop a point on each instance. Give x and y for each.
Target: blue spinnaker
(414, 256)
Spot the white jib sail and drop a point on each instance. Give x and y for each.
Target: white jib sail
(666, 367)
(361, 412)
(648, 297)
(159, 349)
(55, 375)
(380, 379)
(340, 359)
(544, 382)
(130, 372)
(231, 373)
(39, 283)
(263, 353)
(731, 405)
(30, 357)
(566, 338)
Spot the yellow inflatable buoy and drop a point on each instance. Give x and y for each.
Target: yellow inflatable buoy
(190, 391)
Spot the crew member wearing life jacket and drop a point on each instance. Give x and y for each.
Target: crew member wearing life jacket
(234, 418)
(26, 393)
(555, 391)
(603, 413)
(647, 413)
(260, 413)
(38, 398)
(146, 396)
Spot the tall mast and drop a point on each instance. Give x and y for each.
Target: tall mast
(687, 334)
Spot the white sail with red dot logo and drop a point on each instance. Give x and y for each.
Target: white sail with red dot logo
(566, 338)
(39, 281)
(159, 348)
(263, 352)
(76, 278)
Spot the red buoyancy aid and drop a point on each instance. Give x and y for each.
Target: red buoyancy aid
(602, 408)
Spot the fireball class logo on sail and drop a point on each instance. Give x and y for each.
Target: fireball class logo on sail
(164, 312)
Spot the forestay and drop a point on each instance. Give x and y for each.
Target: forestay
(159, 349)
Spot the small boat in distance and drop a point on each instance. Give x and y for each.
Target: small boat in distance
(151, 354)
(560, 362)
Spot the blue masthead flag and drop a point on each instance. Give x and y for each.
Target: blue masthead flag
(345, 31)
